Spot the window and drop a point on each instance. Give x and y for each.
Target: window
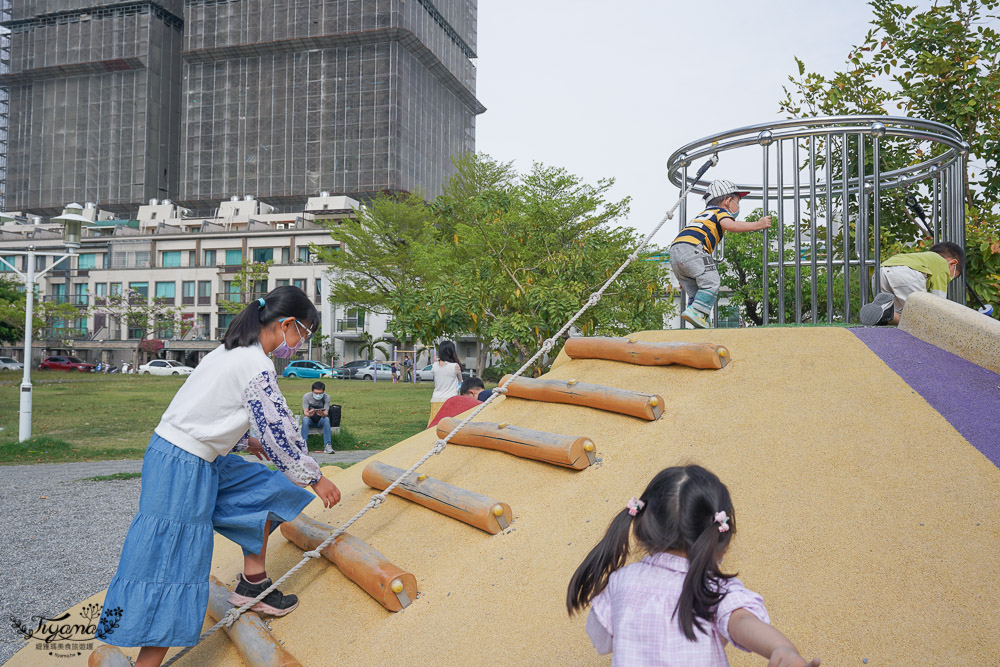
(204, 293)
(263, 254)
(10, 259)
(187, 292)
(301, 284)
(87, 261)
(171, 259)
(114, 289)
(80, 295)
(231, 290)
(285, 254)
(141, 295)
(319, 291)
(304, 254)
(280, 283)
(192, 258)
(209, 258)
(234, 257)
(153, 216)
(166, 292)
(100, 289)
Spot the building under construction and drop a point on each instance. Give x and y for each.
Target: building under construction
(121, 102)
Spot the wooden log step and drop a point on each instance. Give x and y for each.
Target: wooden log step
(568, 451)
(622, 401)
(631, 351)
(250, 636)
(106, 655)
(470, 507)
(393, 587)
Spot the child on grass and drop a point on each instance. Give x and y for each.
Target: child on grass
(192, 484)
(691, 252)
(903, 274)
(675, 607)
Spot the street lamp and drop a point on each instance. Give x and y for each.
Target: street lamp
(72, 221)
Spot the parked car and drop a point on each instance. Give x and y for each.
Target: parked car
(368, 371)
(59, 363)
(310, 369)
(350, 369)
(10, 364)
(427, 373)
(164, 367)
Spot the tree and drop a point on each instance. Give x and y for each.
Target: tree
(12, 304)
(940, 64)
(245, 282)
(369, 345)
(134, 310)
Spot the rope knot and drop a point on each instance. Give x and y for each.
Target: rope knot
(634, 256)
(499, 390)
(547, 345)
(594, 298)
(439, 446)
(312, 554)
(231, 617)
(377, 500)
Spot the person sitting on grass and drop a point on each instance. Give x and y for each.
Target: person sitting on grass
(466, 400)
(903, 274)
(316, 413)
(691, 252)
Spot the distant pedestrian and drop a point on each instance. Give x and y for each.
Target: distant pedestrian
(447, 373)
(407, 368)
(395, 373)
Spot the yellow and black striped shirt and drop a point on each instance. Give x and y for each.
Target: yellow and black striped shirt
(706, 229)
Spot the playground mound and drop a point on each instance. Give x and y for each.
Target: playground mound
(866, 506)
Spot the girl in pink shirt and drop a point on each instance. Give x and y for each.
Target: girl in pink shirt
(675, 606)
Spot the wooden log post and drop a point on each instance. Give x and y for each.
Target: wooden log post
(470, 507)
(622, 401)
(631, 351)
(568, 451)
(106, 655)
(393, 587)
(250, 636)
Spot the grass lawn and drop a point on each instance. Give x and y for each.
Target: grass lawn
(79, 417)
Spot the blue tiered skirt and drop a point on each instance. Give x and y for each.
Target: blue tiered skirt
(159, 595)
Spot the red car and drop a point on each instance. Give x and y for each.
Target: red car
(65, 364)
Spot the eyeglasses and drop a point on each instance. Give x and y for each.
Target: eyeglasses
(307, 336)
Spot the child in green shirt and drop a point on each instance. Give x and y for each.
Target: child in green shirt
(903, 274)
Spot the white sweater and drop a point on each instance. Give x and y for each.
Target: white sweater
(207, 416)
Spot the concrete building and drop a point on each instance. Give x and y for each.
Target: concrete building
(185, 262)
(195, 101)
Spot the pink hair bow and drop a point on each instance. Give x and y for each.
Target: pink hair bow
(634, 506)
(723, 520)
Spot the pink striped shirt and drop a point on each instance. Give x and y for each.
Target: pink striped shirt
(634, 616)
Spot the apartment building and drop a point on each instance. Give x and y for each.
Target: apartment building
(188, 263)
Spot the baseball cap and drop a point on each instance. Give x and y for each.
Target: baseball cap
(722, 188)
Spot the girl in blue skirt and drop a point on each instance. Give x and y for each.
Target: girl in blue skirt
(192, 484)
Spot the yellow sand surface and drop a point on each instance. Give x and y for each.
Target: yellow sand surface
(866, 522)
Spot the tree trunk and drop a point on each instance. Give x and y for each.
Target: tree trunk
(482, 357)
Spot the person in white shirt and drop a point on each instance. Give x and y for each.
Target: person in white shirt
(192, 484)
(447, 376)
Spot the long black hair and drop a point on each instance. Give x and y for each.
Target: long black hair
(448, 352)
(284, 301)
(679, 515)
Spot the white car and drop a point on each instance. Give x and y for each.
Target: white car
(365, 372)
(10, 364)
(426, 373)
(164, 367)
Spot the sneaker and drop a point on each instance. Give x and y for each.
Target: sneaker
(879, 311)
(275, 604)
(328, 448)
(695, 318)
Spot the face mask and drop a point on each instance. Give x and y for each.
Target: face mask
(284, 351)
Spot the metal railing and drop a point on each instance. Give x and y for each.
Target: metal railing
(828, 170)
(350, 325)
(79, 300)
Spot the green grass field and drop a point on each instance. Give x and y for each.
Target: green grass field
(79, 417)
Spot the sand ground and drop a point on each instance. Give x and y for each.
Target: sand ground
(865, 520)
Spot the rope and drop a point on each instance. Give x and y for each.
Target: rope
(233, 614)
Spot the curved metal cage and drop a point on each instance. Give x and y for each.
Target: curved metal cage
(828, 171)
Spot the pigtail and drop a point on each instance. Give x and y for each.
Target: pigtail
(244, 330)
(610, 554)
(700, 594)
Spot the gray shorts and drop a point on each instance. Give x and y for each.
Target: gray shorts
(695, 269)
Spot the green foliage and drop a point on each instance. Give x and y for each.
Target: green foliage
(247, 282)
(941, 64)
(147, 316)
(12, 303)
(368, 345)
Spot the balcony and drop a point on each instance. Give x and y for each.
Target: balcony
(205, 300)
(62, 333)
(351, 325)
(165, 300)
(78, 300)
(187, 300)
(138, 299)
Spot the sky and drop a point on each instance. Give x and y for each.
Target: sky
(611, 89)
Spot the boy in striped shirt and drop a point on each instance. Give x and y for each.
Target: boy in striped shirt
(691, 252)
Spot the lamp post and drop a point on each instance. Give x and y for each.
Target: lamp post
(72, 221)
